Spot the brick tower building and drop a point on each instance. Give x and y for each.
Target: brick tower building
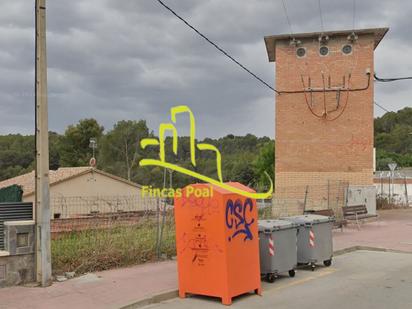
(324, 114)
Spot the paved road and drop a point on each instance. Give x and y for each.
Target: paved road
(361, 279)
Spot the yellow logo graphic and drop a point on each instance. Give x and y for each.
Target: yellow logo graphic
(193, 148)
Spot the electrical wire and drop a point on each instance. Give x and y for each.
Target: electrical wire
(324, 94)
(386, 80)
(241, 65)
(381, 107)
(325, 113)
(320, 15)
(353, 14)
(285, 10)
(216, 46)
(329, 89)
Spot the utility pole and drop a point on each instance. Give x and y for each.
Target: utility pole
(42, 197)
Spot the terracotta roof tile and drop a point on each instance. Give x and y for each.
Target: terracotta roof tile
(26, 181)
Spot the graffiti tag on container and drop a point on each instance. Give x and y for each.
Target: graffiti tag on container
(237, 214)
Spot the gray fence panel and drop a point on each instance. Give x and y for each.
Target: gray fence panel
(13, 212)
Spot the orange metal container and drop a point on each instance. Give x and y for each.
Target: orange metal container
(217, 242)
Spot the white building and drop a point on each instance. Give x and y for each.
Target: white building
(79, 191)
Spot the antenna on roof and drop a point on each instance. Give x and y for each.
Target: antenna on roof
(92, 145)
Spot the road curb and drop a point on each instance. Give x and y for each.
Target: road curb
(345, 250)
(152, 299)
(367, 248)
(166, 295)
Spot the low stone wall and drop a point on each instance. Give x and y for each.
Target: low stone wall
(97, 221)
(16, 269)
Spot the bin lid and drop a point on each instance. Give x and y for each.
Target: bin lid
(274, 225)
(308, 219)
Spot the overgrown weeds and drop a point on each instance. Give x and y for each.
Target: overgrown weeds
(101, 249)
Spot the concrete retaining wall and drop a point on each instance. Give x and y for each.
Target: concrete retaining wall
(17, 261)
(17, 269)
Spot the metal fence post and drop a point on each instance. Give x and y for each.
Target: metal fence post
(158, 226)
(328, 193)
(305, 200)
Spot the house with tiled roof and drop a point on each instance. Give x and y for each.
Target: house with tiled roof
(80, 191)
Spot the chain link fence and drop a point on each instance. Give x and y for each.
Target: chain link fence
(63, 207)
(296, 200)
(393, 191)
(101, 232)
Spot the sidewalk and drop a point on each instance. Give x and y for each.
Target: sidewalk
(112, 289)
(392, 230)
(118, 288)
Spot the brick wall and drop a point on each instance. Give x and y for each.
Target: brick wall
(309, 150)
(98, 221)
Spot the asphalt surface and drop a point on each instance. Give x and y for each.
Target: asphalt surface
(360, 279)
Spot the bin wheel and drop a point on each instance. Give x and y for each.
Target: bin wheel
(327, 263)
(312, 266)
(292, 273)
(270, 278)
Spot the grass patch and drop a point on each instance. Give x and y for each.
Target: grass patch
(101, 249)
(95, 250)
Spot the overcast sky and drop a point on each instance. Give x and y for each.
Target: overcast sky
(132, 59)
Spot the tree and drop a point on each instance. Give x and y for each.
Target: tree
(74, 145)
(393, 138)
(244, 173)
(244, 158)
(265, 162)
(120, 148)
(16, 155)
(54, 155)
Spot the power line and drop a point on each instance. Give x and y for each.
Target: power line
(386, 80)
(320, 15)
(229, 56)
(353, 13)
(216, 46)
(285, 10)
(383, 108)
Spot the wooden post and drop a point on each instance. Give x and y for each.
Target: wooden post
(42, 197)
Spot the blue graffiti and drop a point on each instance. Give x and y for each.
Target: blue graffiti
(236, 218)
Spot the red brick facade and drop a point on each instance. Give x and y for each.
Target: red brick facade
(312, 147)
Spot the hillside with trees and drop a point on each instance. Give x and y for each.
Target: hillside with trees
(244, 158)
(393, 139)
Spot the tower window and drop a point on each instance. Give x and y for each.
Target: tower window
(301, 52)
(323, 50)
(347, 49)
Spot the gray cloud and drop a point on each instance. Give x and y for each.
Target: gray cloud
(132, 59)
